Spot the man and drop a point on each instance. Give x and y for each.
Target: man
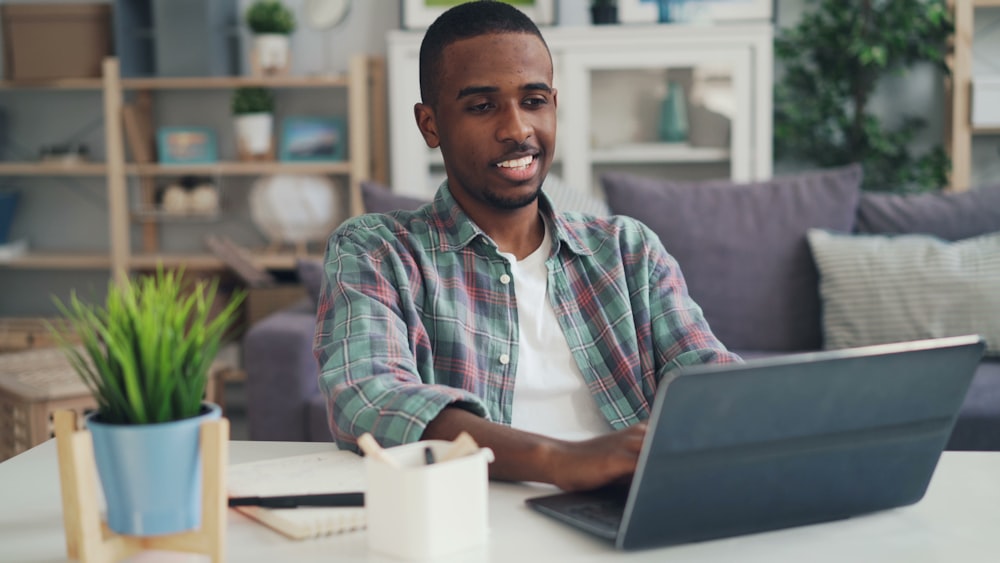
(543, 335)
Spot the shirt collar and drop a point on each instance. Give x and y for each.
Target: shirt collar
(456, 230)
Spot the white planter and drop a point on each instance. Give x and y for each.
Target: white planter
(270, 53)
(253, 133)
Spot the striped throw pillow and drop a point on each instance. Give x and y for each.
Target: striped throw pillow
(877, 289)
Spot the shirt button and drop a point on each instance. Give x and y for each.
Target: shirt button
(505, 279)
(504, 359)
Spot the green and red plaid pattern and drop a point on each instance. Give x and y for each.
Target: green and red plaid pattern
(414, 315)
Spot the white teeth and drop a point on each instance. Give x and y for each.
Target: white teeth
(516, 163)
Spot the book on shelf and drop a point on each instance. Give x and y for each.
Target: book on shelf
(325, 472)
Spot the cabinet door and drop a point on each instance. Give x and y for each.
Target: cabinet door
(616, 114)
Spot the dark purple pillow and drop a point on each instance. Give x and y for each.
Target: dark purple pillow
(951, 216)
(743, 249)
(380, 199)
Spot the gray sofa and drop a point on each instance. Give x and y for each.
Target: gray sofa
(746, 254)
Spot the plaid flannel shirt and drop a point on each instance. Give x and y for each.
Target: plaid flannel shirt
(418, 312)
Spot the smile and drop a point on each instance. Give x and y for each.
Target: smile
(521, 163)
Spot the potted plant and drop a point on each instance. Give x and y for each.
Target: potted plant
(604, 11)
(253, 114)
(835, 60)
(271, 22)
(145, 355)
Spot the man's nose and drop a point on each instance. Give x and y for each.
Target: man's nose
(513, 126)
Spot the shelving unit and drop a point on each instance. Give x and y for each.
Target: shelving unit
(120, 259)
(959, 88)
(612, 81)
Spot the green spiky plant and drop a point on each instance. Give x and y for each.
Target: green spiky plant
(252, 99)
(834, 60)
(146, 352)
(270, 16)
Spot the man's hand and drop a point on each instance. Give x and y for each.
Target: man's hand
(523, 456)
(607, 459)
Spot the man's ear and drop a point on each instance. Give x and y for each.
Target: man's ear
(427, 124)
(555, 97)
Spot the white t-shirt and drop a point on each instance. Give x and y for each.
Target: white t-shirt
(550, 395)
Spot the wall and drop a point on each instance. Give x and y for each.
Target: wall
(61, 213)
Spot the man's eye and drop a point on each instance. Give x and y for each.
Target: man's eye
(480, 108)
(535, 102)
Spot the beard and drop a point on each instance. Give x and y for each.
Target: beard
(509, 203)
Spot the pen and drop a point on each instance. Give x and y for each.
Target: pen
(294, 501)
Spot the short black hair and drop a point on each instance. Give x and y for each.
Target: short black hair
(464, 21)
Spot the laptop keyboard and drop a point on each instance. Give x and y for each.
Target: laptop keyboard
(600, 514)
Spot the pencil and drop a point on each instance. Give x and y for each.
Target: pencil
(295, 501)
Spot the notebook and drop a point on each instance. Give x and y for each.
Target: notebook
(326, 472)
(777, 442)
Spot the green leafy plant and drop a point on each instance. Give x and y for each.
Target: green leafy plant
(145, 354)
(270, 16)
(252, 99)
(833, 62)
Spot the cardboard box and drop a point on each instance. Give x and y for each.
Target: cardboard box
(262, 301)
(50, 41)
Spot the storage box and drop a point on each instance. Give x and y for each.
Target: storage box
(262, 301)
(48, 41)
(986, 101)
(33, 385)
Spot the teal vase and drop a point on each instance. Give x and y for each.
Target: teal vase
(673, 115)
(151, 473)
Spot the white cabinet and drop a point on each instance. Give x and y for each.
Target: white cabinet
(612, 82)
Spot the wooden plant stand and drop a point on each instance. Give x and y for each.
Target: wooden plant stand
(89, 539)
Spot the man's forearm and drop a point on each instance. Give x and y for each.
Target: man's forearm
(519, 455)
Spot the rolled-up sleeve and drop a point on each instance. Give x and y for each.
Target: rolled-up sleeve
(375, 355)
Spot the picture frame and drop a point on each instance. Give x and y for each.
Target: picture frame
(420, 14)
(313, 139)
(648, 11)
(186, 145)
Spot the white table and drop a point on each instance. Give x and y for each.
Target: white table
(958, 521)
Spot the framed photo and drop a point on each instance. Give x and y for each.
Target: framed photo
(186, 145)
(311, 139)
(420, 14)
(648, 11)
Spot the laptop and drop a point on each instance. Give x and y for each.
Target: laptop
(776, 442)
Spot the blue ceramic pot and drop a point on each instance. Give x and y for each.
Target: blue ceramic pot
(151, 473)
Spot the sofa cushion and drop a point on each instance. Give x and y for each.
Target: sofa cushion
(310, 273)
(881, 288)
(951, 216)
(978, 424)
(380, 199)
(742, 248)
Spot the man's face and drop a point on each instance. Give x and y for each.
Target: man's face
(494, 119)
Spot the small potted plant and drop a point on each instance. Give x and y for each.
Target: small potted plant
(604, 11)
(253, 114)
(271, 22)
(145, 355)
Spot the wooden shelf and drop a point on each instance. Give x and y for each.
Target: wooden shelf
(60, 84)
(228, 82)
(52, 169)
(239, 168)
(275, 261)
(643, 153)
(60, 261)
